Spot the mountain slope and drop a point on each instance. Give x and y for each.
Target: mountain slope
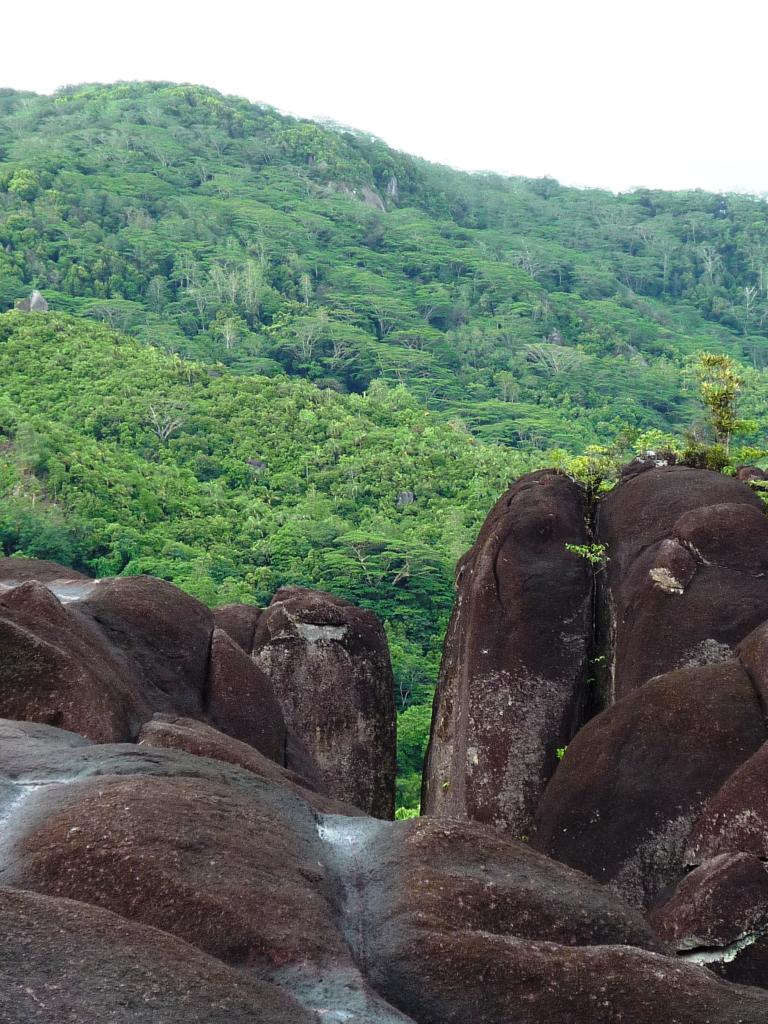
(222, 230)
(120, 459)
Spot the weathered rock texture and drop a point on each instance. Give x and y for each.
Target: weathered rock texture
(101, 657)
(64, 961)
(240, 699)
(200, 739)
(329, 665)
(687, 576)
(718, 916)
(57, 668)
(635, 779)
(449, 901)
(513, 683)
(207, 852)
(358, 919)
(672, 624)
(197, 876)
(274, 913)
(164, 633)
(19, 570)
(722, 902)
(736, 817)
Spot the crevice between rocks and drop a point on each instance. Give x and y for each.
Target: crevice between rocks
(342, 992)
(599, 684)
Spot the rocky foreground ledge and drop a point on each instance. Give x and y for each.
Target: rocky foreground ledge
(194, 806)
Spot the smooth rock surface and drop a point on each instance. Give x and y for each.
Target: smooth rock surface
(686, 577)
(513, 681)
(239, 699)
(635, 779)
(163, 632)
(57, 668)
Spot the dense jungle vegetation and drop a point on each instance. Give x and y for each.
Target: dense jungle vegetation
(221, 230)
(280, 352)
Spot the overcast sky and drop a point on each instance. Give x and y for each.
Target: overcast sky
(612, 94)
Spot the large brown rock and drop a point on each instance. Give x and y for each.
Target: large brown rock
(18, 570)
(240, 700)
(197, 738)
(543, 982)
(643, 508)
(240, 621)
(687, 576)
(513, 682)
(164, 633)
(63, 961)
(57, 668)
(720, 903)
(204, 850)
(451, 922)
(479, 978)
(749, 473)
(735, 818)
(718, 916)
(753, 654)
(461, 876)
(101, 657)
(635, 779)
(329, 665)
(216, 857)
(465, 928)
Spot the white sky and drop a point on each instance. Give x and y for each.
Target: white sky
(612, 94)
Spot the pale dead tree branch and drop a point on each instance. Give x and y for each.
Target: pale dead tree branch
(711, 259)
(163, 422)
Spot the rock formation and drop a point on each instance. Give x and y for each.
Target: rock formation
(239, 620)
(164, 633)
(56, 667)
(101, 658)
(62, 960)
(666, 768)
(329, 665)
(135, 882)
(170, 855)
(687, 576)
(240, 699)
(636, 778)
(34, 304)
(513, 682)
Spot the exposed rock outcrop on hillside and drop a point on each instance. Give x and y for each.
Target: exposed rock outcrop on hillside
(171, 855)
(102, 657)
(513, 682)
(328, 662)
(636, 778)
(140, 879)
(671, 772)
(687, 576)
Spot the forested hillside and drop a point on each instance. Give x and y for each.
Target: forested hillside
(118, 458)
(280, 352)
(221, 230)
